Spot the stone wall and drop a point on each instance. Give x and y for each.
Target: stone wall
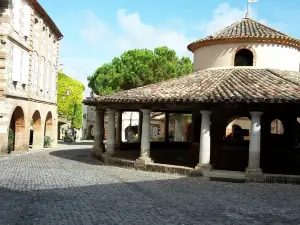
(34, 95)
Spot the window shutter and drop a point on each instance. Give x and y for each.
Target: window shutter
(50, 78)
(36, 70)
(33, 66)
(25, 68)
(26, 20)
(16, 64)
(42, 70)
(54, 74)
(47, 78)
(33, 71)
(16, 12)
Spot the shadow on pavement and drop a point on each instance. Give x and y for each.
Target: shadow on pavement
(80, 155)
(77, 143)
(173, 201)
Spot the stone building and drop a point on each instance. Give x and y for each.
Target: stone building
(246, 70)
(29, 52)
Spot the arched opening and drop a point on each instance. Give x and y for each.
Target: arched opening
(238, 129)
(90, 132)
(131, 133)
(235, 145)
(277, 127)
(17, 129)
(48, 125)
(243, 57)
(36, 134)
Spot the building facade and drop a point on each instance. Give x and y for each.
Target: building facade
(29, 52)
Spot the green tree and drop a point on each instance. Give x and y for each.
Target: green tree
(69, 100)
(138, 67)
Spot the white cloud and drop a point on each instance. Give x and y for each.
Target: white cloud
(132, 32)
(94, 29)
(224, 15)
(136, 34)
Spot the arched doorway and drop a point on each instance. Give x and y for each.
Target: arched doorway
(36, 134)
(243, 57)
(90, 133)
(235, 144)
(48, 125)
(278, 145)
(17, 128)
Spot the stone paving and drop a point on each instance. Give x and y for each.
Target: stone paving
(67, 186)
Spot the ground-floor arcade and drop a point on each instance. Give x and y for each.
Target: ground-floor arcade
(24, 124)
(255, 139)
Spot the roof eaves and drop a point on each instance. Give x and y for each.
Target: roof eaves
(39, 8)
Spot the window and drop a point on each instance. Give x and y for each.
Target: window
(243, 57)
(48, 77)
(277, 127)
(54, 80)
(16, 13)
(35, 67)
(16, 64)
(25, 67)
(42, 71)
(26, 20)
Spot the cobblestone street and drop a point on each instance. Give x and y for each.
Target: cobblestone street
(67, 186)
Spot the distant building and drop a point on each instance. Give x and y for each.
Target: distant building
(29, 51)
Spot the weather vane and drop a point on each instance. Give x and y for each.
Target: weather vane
(249, 1)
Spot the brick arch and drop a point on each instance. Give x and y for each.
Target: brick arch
(17, 125)
(38, 136)
(49, 125)
(250, 48)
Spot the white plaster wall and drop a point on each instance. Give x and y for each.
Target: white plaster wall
(267, 56)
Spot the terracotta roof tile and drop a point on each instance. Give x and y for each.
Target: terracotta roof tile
(246, 29)
(238, 84)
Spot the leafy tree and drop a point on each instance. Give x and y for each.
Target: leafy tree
(138, 67)
(69, 107)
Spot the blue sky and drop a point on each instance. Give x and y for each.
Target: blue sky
(96, 32)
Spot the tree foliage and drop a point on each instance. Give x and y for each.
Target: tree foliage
(138, 67)
(69, 107)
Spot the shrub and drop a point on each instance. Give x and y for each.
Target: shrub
(47, 142)
(160, 138)
(157, 138)
(68, 138)
(10, 145)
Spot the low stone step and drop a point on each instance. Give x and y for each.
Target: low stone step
(226, 176)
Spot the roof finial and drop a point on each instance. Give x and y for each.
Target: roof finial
(247, 16)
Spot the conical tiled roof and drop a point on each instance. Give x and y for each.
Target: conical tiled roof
(249, 30)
